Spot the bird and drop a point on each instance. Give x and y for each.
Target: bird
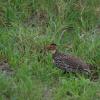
(67, 62)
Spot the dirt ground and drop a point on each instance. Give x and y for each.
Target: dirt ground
(5, 68)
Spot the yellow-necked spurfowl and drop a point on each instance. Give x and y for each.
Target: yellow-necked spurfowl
(68, 63)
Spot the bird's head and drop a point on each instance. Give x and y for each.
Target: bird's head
(52, 48)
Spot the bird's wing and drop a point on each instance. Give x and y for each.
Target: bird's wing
(74, 62)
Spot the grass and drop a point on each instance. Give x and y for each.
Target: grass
(36, 78)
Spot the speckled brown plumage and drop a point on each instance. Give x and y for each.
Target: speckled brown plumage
(67, 62)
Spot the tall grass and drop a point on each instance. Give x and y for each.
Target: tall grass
(72, 24)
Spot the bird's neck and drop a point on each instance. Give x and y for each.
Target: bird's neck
(55, 53)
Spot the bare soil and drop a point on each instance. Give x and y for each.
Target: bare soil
(5, 68)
